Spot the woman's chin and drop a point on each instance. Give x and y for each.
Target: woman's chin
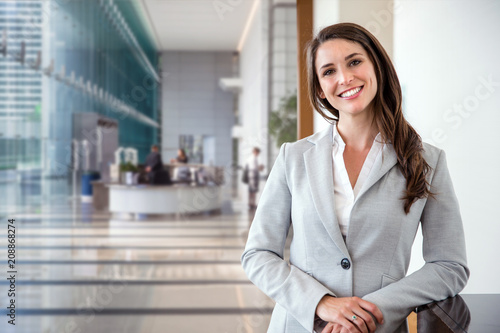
(353, 111)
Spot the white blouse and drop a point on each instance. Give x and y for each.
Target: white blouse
(345, 196)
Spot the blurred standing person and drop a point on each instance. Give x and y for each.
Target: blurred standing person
(254, 167)
(154, 164)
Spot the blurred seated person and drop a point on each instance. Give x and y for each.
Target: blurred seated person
(181, 157)
(182, 174)
(154, 167)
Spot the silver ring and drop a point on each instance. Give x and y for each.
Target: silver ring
(354, 317)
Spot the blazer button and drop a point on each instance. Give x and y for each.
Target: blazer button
(345, 263)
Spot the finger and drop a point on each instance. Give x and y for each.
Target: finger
(348, 325)
(367, 319)
(328, 328)
(359, 323)
(373, 309)
(338, 329)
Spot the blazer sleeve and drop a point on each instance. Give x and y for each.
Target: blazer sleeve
(445, 271)
(262, 260)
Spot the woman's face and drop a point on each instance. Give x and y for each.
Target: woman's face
(346, 76)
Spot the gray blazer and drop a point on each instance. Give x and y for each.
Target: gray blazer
(373, 261)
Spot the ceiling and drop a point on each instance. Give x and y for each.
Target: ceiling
(197, 25)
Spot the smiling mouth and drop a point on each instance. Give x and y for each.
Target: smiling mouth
(351, 92)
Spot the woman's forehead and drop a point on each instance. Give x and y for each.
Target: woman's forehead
(338, 48)
(336, 51)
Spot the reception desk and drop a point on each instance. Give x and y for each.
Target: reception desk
(163, 199)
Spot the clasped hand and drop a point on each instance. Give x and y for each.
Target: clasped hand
(348, 315)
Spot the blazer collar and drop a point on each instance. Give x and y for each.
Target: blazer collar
(319, 170)
(385, 162)
(319, 136)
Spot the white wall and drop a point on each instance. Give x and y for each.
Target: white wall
(253, 71)
(253, 105)
(194, 104)
(444, 52)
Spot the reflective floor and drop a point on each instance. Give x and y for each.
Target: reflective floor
(78, 270)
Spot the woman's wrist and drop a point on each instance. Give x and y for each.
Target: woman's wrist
(321, 307)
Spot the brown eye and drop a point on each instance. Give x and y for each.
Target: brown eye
(328, 72)
(355, 62)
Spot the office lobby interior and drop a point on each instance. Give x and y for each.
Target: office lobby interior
(89, 86)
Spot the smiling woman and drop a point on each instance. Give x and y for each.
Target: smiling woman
(346, 56)
(346, 73)
(356, 194)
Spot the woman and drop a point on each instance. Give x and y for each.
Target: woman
(181, 157)
(181, 173)
(355, 194)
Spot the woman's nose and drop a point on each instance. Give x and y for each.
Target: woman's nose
(345, 77)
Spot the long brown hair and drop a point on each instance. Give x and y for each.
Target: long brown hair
(388, 113)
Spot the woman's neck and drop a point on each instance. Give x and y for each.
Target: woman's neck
(359, 131)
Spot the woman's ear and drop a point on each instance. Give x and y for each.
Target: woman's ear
(321, 94)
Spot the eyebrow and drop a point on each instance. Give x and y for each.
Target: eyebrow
(346, 58)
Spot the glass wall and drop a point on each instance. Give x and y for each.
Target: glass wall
(20, 86)
(103, 64)
(61, 57)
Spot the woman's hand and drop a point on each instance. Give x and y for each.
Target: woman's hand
(340, 313)
(335, 328)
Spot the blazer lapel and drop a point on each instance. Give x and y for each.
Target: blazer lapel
(319, 170)
(385, 162)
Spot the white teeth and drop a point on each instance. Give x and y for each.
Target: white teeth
(351, 92)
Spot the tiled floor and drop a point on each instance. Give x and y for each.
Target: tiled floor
(82, 271)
